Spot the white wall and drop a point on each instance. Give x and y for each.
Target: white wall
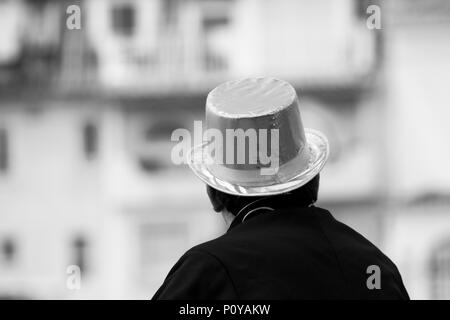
(418, 134)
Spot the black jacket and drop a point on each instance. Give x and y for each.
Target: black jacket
(286, 253)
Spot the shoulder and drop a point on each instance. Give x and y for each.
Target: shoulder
(346, 241)
(359, 257)
(198, 274)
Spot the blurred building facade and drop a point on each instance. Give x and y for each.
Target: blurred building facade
(86, 118)
(417, 65)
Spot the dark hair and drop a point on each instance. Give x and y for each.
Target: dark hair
(304, 195)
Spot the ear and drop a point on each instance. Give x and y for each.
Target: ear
(214, 197)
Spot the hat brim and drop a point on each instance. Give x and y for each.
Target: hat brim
(317, 147)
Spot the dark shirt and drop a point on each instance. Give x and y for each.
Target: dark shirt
(283, 253)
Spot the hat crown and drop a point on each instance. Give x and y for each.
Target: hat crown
(250, 97)
(262, 108)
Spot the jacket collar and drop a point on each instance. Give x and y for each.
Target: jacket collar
(268, 204)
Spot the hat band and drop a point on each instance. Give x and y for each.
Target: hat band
(258, 177)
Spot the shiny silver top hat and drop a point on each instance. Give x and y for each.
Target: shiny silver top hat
(255, 143)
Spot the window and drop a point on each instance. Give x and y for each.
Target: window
(90, 140)
(79, 247)
(156, 145)
(150, 164)
(4, 156)
(170, 12)
(162, 130)
(210, 23)
(124, 19)
(213, 58)
(361, 7)
(7, 251)
(440, 272)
